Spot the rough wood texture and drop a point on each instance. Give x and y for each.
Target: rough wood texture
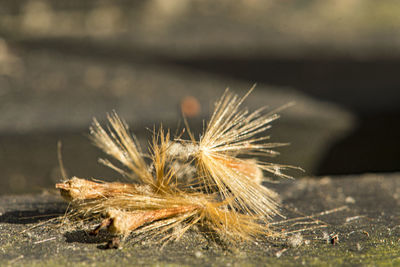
(368, 231)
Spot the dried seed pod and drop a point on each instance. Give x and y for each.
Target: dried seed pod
(173, 215)
(81, 189)
(160, 202)
(124, 222)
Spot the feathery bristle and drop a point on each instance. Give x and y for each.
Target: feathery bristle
(231, 134)
(119, 144)
(228, 200)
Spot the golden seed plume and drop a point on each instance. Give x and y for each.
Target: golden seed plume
(119, 144)
(221, 154)
(229, 199)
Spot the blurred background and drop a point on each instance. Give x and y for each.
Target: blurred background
(64, 62)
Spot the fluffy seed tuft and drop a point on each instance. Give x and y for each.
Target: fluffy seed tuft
(214, 182)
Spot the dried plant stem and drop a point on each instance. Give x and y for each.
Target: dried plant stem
(82, 189)
(125, 222)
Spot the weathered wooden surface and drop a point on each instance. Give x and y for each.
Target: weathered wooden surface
(368, 231)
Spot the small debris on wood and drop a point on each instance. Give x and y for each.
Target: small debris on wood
(349, 219)
(198, 254)
(350, 200)
(334, 239)
(295, 240)
(114, 243)
(45, 240)
(279, 253)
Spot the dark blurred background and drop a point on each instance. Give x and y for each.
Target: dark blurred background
(64, 62)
